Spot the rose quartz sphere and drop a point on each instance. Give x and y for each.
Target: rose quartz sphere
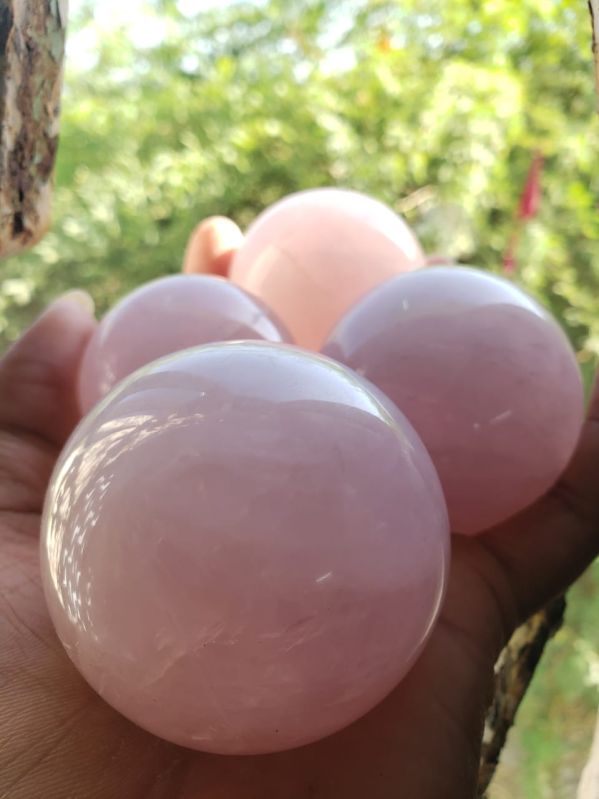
(312, 255)
(243, 549)
(485, 375)
(167, 315)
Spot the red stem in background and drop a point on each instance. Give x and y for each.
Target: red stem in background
(528, 208)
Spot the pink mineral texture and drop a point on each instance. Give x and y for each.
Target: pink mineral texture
(243, 548)
(312, 255)
(167, 315)
(485, 375)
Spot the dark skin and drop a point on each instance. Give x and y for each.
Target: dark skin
(59, 740)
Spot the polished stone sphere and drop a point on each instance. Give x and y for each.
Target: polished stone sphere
(485, 375)
(244, 549)
(315, 253)
(164, 316)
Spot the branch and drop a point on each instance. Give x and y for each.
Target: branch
(32, 39)
(513, 674)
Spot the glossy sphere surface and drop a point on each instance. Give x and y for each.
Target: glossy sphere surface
(311, 256)
(164, 316)
(243, 549)
(485, 375)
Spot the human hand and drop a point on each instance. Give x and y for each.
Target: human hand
(59, 740)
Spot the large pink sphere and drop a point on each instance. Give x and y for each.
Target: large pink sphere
(485, 375)
(312, 255)
(243, 549)
(164, 316)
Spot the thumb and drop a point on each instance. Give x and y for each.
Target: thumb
(38, 374)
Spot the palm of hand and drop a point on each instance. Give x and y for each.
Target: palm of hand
(58, 739)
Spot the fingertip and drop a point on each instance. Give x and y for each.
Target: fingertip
(77, 299)
(60, 331)
(439, 259)
(212, 246)
(39, 372)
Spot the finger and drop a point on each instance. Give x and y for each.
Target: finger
(38, 374)
(545, 548)
(212, 246)
(438, 259)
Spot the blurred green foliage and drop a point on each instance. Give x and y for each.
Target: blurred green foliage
(435, 107)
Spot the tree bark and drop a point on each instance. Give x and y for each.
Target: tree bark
(513, 674)
(32, 43)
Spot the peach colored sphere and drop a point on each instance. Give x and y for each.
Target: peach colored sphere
(243, 548)
(164, 316)
(311, 256)
(485, 375)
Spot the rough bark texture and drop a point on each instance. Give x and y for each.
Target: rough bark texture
(513, 673)
(32, 39)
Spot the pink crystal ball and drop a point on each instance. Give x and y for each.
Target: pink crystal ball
(167, 315)
(243, 548)
(313, 254)
(485, 375)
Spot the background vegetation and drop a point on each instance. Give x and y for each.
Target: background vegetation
(174, 110)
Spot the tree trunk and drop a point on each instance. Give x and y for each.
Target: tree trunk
(32, 40)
